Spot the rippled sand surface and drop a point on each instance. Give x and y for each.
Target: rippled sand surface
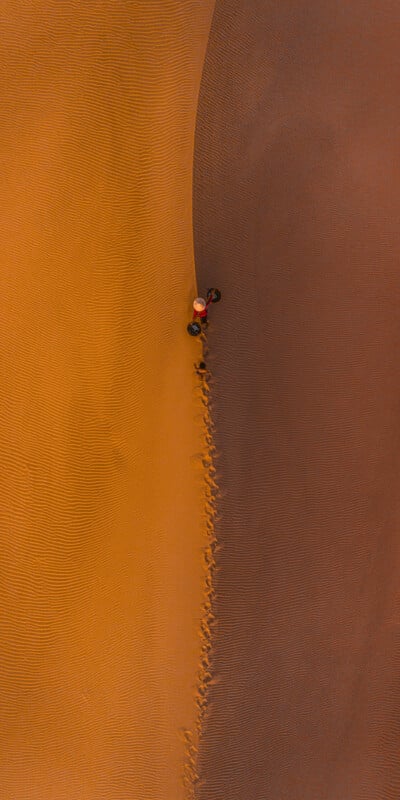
(296, 217)
(101, 481)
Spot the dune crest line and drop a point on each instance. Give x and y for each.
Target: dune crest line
(208, 620)
(296, 219)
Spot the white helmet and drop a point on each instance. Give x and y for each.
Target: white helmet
(199, 304)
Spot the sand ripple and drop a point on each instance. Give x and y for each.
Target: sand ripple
(102, 518)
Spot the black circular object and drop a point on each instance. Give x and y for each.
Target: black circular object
(216, 293)
(194, 328)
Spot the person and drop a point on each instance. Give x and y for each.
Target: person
(200, 308)
(201, 369)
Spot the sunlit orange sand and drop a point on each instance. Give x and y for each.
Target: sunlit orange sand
(102, 482)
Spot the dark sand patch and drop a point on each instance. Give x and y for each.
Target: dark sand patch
(296, 218)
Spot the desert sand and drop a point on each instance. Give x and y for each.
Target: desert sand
(102, 483)
(296, 220)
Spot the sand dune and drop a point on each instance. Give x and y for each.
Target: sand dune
(296, 210)
(102, 518)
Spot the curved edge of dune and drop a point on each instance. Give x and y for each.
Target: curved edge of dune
(208, 620)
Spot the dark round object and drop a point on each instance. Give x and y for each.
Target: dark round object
(194, 328)
(216, 293)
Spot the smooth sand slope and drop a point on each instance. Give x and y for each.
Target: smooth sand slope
(101, 482)
(296, 213)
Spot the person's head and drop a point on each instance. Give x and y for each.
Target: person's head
(199, 304)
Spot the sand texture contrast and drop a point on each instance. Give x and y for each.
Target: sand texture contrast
(296, 216)
(102, 483)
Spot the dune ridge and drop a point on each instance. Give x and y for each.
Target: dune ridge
(296, 209)
(208, 622)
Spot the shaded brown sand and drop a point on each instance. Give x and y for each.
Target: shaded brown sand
(102, 493)
(296, 217)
